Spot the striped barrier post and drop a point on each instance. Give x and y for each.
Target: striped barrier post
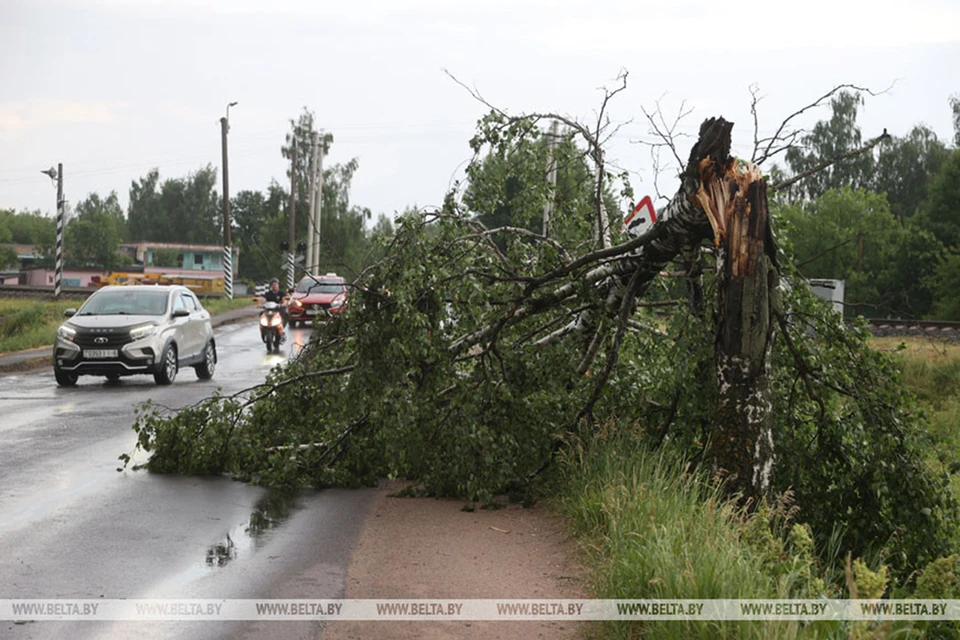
(228, 272)
(58, 272)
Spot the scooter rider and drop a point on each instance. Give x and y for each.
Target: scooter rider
(275, 294)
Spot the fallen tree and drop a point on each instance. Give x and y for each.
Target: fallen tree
(470, 355)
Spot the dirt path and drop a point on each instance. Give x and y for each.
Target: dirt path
(428, 548)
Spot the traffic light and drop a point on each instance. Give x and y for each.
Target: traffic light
(284, 246)
(301, 247)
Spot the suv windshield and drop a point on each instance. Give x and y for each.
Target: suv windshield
(319, 286)
(133, 302)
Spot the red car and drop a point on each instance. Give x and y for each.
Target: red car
(317, 297)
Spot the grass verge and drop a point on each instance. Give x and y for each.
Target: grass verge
(652, 530)
(27, 323)
(931, 370)
(220, 305)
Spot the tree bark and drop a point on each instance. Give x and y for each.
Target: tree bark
(742, 441)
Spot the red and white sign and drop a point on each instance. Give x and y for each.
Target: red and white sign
(643, 217)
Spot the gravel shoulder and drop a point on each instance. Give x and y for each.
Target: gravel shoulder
(429, 548)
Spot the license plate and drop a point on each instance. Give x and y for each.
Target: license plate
(312, 312)
(99, 353)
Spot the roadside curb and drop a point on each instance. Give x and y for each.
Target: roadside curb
(39, 357)
(25, 365)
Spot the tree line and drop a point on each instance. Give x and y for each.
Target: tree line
(188, 210)
(888, 222)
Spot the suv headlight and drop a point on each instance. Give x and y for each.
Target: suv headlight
(66, 332)
(337, 303)
(142, 331)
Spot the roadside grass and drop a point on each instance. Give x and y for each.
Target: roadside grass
(931, 370)
(220, 305)
(650, 529)
(27, 323)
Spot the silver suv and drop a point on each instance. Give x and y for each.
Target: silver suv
(130, 330)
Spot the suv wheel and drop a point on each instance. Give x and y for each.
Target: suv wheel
(205, 369)
(65, 378)
(167, 372)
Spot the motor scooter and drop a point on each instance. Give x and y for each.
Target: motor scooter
(271, 326)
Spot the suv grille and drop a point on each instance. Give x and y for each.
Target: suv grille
(101, 338)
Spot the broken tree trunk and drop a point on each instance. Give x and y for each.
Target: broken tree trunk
(742, 441)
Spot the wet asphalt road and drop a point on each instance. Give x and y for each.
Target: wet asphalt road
(71, 526)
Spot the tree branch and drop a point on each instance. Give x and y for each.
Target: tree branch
(826, 163)
(816, 103)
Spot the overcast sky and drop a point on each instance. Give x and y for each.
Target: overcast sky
(113, 88)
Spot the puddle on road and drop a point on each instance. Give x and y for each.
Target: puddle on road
(271, 360)
(271, 511)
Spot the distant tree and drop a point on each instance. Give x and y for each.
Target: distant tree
(847, 235)
(302, 130)
(907, 278)
(904, 167)
(383, 228)
(509, 186)
(178, 210)
(8, 258)
(144, 213)
(941, 213)
(828, 139)
(260, 225)
(955, 106)
(248, 211)
(947, 305)
(28, 227)
(344, 242)
(169, 258)
(94, 234)
(5, 234)
(192, 208)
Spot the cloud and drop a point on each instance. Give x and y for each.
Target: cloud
(757, 26)
(16, 117)
(184, 112)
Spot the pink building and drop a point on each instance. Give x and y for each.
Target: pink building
(71, 277)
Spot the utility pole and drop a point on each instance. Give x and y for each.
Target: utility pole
(227, 241)
(57, 174)
(293, 214)
(315, 235)
(551, 177)
(313, 213)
